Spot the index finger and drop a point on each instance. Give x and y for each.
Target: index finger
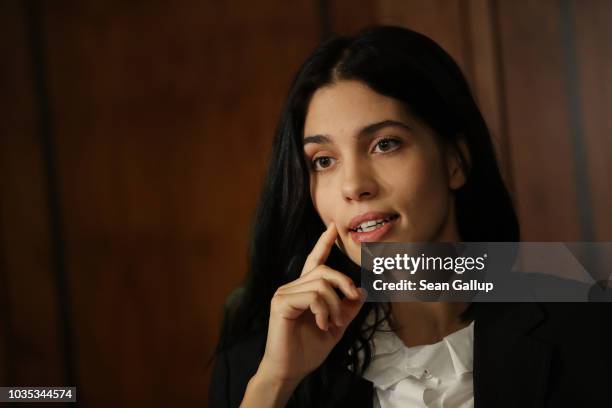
(321, 250)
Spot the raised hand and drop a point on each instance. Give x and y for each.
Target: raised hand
(307, 319)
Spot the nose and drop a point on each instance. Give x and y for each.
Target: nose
(359, 182)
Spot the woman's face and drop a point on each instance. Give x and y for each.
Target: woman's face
(373, 161)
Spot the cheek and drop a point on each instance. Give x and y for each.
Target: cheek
(416, 175)
(322, 200)
(429, 178)
(429, 181)
(424, 196)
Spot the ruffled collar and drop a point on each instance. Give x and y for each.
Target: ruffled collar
(392, 361)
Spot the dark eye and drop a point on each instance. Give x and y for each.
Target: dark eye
(387, 144)
(322, 162)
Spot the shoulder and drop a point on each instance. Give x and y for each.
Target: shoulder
(579, 335)
(586, 312)
(552, 322)
(557, 351)
(580, 329)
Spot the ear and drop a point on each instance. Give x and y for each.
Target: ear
(457, 164)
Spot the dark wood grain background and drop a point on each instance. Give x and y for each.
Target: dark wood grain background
(134, 138)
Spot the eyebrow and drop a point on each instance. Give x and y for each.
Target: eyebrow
(366, 130)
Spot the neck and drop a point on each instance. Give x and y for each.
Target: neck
(419, 323)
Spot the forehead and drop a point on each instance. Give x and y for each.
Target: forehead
(346, 106)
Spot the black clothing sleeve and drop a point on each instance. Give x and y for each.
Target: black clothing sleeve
(232, 370)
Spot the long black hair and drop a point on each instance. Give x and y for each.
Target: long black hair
(413, 69)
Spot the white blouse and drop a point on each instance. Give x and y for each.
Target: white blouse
(434, 375)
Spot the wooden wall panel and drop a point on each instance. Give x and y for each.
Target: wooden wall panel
(30, 330)
(345, 17)
(165, 114)
(538, 120)
(594, 54)
(486, 76)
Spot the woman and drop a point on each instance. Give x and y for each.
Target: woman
(380, 140)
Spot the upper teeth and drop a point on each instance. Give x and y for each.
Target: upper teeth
(372, 224)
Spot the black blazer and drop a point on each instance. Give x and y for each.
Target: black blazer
(525, 355)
